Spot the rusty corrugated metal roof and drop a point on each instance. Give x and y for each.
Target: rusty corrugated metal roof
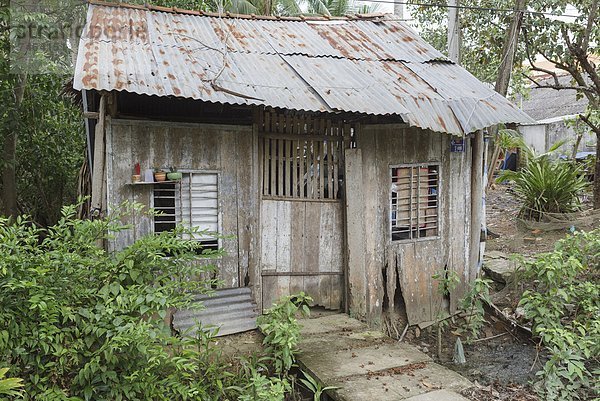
(377, 66)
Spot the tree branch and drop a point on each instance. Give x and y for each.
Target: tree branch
(532, 63)
(557, 86)
(585, 41)
(588, 121)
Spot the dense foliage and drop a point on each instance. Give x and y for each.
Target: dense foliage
(41, 128)
(78, 322)
(564, 308)
(50, 151)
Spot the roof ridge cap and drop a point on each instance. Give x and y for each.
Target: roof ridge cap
(182, 11)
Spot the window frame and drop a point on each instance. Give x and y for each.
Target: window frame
(179, 183)
(428, 165)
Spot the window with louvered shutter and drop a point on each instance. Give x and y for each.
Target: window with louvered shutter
(193, 202)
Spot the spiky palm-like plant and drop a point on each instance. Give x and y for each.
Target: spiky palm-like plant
(547, 184)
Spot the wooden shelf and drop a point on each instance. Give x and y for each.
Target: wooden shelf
(153, 183)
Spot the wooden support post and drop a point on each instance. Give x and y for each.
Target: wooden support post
(356, 278)
(99, 159)
(476, 202)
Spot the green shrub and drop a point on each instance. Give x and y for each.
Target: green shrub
(546, 184)
(80, 323)
(9, 386)
(473, 306)
(282, 331)
(263, 388)
(564, 308)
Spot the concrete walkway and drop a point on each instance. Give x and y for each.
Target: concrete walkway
(367, 365)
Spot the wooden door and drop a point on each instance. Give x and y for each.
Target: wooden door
(301, 213)
(302, 250)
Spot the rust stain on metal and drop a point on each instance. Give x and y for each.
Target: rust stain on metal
(333, 42)
(355, 65)
(489, 104)
(442, 123)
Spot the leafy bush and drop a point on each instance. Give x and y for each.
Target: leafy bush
(564, 308)
(263, 388)
(78, 323)
(548, 186)
(282, 331)
(473, 305)
(9, 386)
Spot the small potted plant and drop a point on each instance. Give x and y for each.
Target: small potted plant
(174, 175)
(160, 175)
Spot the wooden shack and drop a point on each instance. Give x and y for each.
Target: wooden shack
(340, 157)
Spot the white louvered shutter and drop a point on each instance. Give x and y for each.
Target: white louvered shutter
(199, 203)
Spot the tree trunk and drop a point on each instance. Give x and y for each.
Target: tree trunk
(9, 176)
(509, 49)
(576, 145)
(597, 174)
(596, 129)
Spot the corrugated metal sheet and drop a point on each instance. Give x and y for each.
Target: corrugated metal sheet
(376, 67)
(231, 310)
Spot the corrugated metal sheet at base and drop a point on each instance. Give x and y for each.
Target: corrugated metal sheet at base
(231, 310)
(366, 67)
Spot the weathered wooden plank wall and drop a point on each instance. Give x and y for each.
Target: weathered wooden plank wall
(225, 149)
(412, 262)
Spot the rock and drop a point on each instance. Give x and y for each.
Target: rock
(499, 268)
(495, 255)
(520, 313)
(459, 353)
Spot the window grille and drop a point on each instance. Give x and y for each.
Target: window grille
(414, 201)
(193, 201)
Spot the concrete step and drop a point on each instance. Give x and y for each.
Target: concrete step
(362, 364)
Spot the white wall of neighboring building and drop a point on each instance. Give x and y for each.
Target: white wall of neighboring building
(534, 136)
(545, 133)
